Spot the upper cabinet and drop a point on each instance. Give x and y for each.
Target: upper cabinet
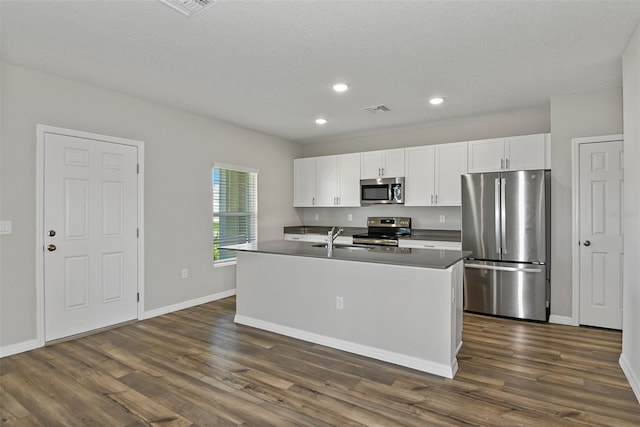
(304, 182)
(433, 174)
(382, 164)
(327, 181)
(504, 154)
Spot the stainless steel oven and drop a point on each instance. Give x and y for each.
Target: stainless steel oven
(384, 231)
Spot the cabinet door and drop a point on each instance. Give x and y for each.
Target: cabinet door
(304, 182)
(419, 182)
(326, 181)
(450, 163)
(393, 163)
(486, 155)
(371, 164)
(349, 179)
(525, 152)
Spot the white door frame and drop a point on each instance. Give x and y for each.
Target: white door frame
(41, 130)
(575, 236)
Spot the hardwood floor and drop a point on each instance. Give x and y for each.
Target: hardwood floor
(197, 367)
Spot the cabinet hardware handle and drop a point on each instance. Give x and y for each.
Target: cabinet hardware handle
(313, 201)
(507, 163)
(436, 199)
(382, 171)
(501, 164)
(432, 199)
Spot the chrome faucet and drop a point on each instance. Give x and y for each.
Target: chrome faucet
(332, 235)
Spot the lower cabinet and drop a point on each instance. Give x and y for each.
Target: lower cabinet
(430, 244)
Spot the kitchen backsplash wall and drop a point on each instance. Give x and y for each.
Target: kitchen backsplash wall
(421, 217)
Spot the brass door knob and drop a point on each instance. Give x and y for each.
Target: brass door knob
(51, 248)
(587, 243)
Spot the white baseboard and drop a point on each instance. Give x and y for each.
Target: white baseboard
(187, 304)
(632, 376)
(562, 320)
(20, 347)
(363, 350)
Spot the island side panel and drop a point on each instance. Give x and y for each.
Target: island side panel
(407, 312)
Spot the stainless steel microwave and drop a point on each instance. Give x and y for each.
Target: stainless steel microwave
(381, 190)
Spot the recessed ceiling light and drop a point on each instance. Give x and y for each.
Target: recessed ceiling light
(436, 101)
(340, 87)
(321, 121)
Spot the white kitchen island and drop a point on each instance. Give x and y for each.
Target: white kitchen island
(398, 305)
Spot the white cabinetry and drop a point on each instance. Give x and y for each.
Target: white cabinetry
(304, 182)
(504, 154)
(382, 164)
(430, 244)
(433, 174)
(327, 181)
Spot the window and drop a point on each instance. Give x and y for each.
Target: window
(235, 209)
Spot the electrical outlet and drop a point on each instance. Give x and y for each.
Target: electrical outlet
(339, 303)
(5, 227)
(442, 219)
(350, 217)
(185, 273)
(316, 217)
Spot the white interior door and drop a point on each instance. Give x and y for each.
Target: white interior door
(91, 225)
(600, 216)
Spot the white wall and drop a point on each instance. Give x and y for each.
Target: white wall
(630, 358)
(523, 122)
(180, 149)
(573, 116)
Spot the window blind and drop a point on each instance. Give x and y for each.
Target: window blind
(235, 209)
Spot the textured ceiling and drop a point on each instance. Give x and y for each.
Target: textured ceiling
(269, 65)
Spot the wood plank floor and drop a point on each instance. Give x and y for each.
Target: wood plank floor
(196, 367)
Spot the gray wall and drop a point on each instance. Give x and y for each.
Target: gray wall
(630, 358)
(573, 116)
(523, 122)
(180, 150)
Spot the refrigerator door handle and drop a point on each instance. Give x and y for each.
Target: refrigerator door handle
(512, 269)
(503, 214)
(497, 216)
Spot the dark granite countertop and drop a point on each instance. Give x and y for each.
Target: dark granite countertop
(322, 229)
(416, 234)
(409, 257)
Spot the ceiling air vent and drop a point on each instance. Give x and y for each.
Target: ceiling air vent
(378, 109)
(189, 7)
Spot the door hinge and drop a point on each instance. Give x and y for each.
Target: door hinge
(137, 233)
(138, 297)
(138, 168)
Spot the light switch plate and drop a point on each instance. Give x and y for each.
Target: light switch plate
(5, 227)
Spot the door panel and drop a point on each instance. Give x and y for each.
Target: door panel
(479, 231)
(506, 289)
(524, 220)
(90, 224)
(601, 190)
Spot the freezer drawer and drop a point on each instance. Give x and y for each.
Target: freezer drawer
(507, 289)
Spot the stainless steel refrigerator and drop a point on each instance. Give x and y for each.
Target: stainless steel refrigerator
(506, 223)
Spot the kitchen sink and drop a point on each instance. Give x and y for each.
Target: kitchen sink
(347, 247)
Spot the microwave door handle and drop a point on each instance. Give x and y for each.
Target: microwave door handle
(496, 213)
